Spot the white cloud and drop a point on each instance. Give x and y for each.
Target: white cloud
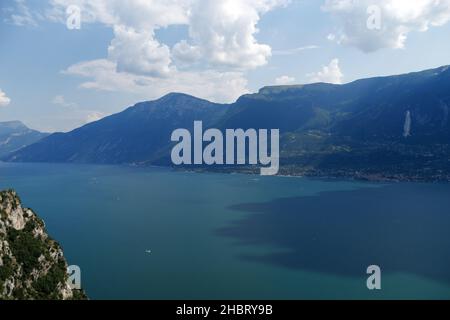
(331, 37)
(4, 100)
(221, 32)
(73, 111)
(224, 31)
(398, 18)
(284, 80)
(104, 75)
(94, 116)
(220, 47)
(185, 54)
(209, 84)
(137, 14)
(329, 74)
(134, 47)
(61, 101)
(138, 52)
(22, 15)
(294, 51)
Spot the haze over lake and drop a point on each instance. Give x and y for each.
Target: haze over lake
(153, 233)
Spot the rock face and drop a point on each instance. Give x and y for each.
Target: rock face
(32, 265)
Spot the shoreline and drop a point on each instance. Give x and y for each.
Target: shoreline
(311, 174)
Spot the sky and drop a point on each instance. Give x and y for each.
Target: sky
(65, 63)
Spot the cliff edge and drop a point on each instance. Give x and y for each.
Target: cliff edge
(32, 265)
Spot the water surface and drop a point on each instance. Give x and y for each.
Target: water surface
(153, 233)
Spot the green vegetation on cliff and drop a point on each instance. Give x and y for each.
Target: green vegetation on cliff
(32, 265)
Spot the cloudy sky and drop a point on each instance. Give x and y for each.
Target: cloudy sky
(64, 63)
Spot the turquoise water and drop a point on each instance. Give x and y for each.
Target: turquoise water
(152, 233)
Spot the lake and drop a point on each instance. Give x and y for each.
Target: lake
(155, 233)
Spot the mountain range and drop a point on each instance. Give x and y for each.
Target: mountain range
(393, 127)
(14, 135)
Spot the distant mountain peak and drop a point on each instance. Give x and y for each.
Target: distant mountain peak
(295, 87)
(180, 97)
(14, 135)
(174, 95)
(14, 124)
(172, 100)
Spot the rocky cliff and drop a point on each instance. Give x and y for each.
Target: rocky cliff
(32, 265)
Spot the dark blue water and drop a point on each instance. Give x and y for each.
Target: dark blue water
(159, 234)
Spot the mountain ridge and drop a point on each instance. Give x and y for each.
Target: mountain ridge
(15, 135)
(326, 129)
